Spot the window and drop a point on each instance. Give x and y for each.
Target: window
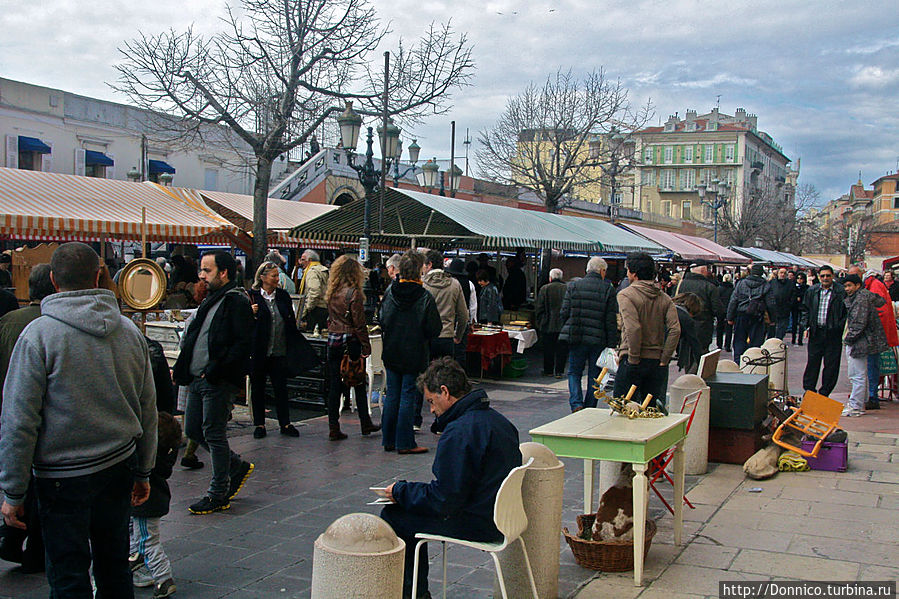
(647, 155)
(211, 179)
(666, 208)
(687, 210)
(709, 153)
(729, 176)
(688, 154)
(896, 203)
(669, 154)
(95, 170)
(27, 160)
(689, 179)
(648, 206)
(729, 153)
(668, 179)
(647, 177)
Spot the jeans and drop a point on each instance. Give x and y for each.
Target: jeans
(205, 421)
(873, 377)
(858, 376)
(397, 411)
(578, 357)
(783, 325)
(555, 353)
(84, 520)
(275, 368)
(145, 541)
(405, 524)
(798, 329)
(749, 331)
(826, 345)
(649, 377)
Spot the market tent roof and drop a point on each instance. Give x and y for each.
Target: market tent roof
(679, 245)
(53, 206)
(776, 258)
(426, 218)
(282, 214)
(725, 256)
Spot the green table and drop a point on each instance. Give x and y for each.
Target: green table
(597, 434)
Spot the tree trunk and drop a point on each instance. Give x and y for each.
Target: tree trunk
(260, 214)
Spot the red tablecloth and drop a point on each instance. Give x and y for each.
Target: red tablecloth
(490, 346)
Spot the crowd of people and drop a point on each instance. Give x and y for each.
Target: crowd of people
(87, 446)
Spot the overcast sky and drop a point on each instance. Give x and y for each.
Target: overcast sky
(822, 76)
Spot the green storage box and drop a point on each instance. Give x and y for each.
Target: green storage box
(737, 400)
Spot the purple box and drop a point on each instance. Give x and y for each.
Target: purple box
(833, 457)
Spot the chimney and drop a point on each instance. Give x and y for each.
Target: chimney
(671, 123)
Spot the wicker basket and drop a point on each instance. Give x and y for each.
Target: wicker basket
(606, 556)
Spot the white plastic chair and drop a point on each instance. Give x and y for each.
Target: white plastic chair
(374, 365)
(510, 519)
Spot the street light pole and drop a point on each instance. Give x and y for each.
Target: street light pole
(717, 192)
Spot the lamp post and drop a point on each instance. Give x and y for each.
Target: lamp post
(350, 126)
(713, 195)
(430, 173)
(414, 151)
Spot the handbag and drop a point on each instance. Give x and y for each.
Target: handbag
(888, 365)
(352, 372)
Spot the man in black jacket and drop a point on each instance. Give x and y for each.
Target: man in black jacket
(824, 312)
(589, 325)
(784, 297)
(697, 281)
(214, 359)
(752, 297)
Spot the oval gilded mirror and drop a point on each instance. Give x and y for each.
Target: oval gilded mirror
(142, 284)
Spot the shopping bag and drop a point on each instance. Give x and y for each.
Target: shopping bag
(888, 363)
(608, 358)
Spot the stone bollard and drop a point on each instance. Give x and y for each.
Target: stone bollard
(696, 447)
(752, 353)
(541, 491)
(777, 372)
(358, 556)
(727, 366)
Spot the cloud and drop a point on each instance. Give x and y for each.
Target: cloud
(874, 76)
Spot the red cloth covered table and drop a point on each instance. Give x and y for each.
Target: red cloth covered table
(490, 346)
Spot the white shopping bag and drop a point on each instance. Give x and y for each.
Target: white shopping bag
(608, 358)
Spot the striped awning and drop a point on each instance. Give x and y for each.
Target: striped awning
(429, 219)
(776, 258)
(52, 206)
(282, 214)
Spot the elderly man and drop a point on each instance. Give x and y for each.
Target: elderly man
(650, 332)
(699, 282)
(79, 412)
(589, 324)
(393, 267)
(313, 286)
(784, 291)
(478, 447)
(549, 324)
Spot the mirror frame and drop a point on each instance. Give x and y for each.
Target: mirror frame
(157, 273)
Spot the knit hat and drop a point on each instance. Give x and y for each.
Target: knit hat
(853, 279)
(757, 270)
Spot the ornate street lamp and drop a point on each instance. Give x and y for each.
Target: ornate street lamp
(714, 195)
(414, 152)
(430, 175)
(133, 174)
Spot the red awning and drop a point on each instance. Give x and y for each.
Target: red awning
(682, 248)
(725, 255)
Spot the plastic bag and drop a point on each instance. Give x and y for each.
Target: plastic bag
(608, 358)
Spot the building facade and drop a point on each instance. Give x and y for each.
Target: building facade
(673, 159)
(56, 131)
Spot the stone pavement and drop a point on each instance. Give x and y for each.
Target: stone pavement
(812, 525)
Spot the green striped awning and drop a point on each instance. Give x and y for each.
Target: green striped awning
(426, 218)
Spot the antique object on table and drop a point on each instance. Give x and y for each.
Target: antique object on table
(737, 400)
(142, 284)
(624, 405)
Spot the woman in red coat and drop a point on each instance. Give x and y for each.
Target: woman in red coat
(875, 285)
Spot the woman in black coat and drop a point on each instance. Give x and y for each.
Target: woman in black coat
(689, 349)
(279, 350)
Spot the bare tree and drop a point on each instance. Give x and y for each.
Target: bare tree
(787, 216)
(556, 139)
(745, 225)
(279, 69)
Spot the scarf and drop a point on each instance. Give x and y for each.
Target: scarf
(193, 331)
(305, 272)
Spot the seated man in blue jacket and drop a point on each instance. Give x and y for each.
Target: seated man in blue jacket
(478, 448)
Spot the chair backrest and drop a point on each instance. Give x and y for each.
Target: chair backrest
(377, 345)
(508, 511)
(820, 407)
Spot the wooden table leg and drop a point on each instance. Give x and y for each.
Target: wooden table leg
(640, 507)
(679, 467)
(588, 486)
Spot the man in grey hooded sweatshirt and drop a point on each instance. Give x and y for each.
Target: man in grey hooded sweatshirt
(79, 409)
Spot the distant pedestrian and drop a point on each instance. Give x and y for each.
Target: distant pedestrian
(751, 300)
(79, 411)
(313, 285)
(214, 361)
(784, 298)
(864, 337)
(798, 330)
(589, 324)
(724, 330)
(490, 305)
(515, 289)
(689, 350)
(887, 318)
(698, 282)
(548, 314)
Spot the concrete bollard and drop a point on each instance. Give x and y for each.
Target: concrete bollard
(777, 372)
(727, 366)
(752, 353)
(696, 447)
(358, 556)
(541, 491)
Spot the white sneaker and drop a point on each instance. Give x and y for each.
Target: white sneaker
(852, 413)
(141, 578)
(416, 428)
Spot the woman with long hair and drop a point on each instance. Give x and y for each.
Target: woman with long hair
(347, 334)
(689, 349)
(279, 350)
